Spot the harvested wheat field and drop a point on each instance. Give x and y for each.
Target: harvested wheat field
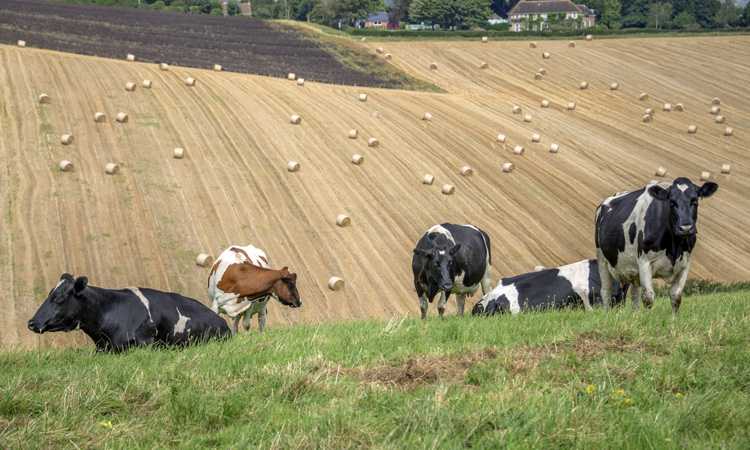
(145, 224)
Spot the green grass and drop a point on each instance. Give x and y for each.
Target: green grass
(565, 379)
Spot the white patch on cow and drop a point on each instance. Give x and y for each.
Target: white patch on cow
(58, 285)
(578, 276)
(627, 260)
(442, 252)
(226, 302)
(509, 291)
(143, 299)
(441, 230)
(179, 327)
(682, 187)
(662, 268)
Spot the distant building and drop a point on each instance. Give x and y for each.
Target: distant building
(495, 19)
(537, 15)
(245, 8)
(379, 20)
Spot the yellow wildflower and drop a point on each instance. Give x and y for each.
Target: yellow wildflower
(627, 400)
(677, 394)
(107, 424)
(590, 389)
(621, 392)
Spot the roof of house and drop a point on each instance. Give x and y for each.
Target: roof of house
(586, 10)
(378, 17)
(544, 7)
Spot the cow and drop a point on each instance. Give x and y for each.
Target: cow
(646, 234)
(241, 283)
(118, 319)
(569, 285)
(451, 259)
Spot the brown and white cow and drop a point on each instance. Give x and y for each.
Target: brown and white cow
(241, 283)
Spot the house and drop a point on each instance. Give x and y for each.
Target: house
(495, 19)
(245, 8)
(540, 14)
(379, 20)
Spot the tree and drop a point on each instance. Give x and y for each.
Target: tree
(659, 14)
(472, 13)
(704, 12)
(611, 15)
(728, 15)
(431, 11)
(399, 11)
(745, 18)
(683, 20)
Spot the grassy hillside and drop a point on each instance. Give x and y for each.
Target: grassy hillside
(561, 379)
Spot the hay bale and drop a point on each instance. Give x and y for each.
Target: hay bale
(545, 104)
(571, 106)
(358, 159)
(295, 119)
(532, 44)
(720, 119)
(667, 107)
(643, 97)
(716, 101)
(545, 55)
(300, 81)
(353, 134)
(448, 189)
(650, 112)
(537, 76)
(66, 139)
(112, 168)
(501, 138)
(571, 44)
(466, 171)
(190, 81)
(335, 284)
(427, 116)
(589, 37)
(372, 142)
(535, 137)
(387, 56)
(614, 86)
(362, 97)
(179, 153)
(433, 66)
(584, 84)
(678, 107)
(542, 71)
(554, 148)
(293, 166)
(379, 50)
(363, 40)
(483, 65)
(428, 179)
(204, 260)
(146, 84)
(517, 110)
(163, 67)
(485, 39)
(130, 86)
(508, 167)
(715, 110)
(518, 150)
(647, 118)
(728, 131)
(217, 68)
(539, 268)
(343, 220)
(527, 118)
(130, 57)
(21, 44)
(661, 171)
(122, 117)
(44, 99)
(705, 176)
(66, 166)
(100, 117)
(291, 76)
(725, 168)
(692, 129)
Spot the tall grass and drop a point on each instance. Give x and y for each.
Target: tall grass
(559, 379)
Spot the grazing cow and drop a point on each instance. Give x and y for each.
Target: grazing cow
(241, 283)
(451, 259)
(649, 233)
(117, 319)
(570, 285)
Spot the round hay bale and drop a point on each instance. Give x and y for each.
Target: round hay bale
(217, 68)
(508, 167)
(387, 56)
(678, 107)
(190, 81)
(100, 117)
(21, 44)
(720, 119)
(692, 129)
(300, 81)
(353, 134)
(537, 76)
(448, 189)
(725, 168)
(122, 117)
(362, 97)
(335, 284)
(667, 107)
(358, 159)
(433, 66)
(291, 76)
(363, 40)
(571, 106)
(427, 116)
(293, 166)
(146, 84)
(517, 110)
(179, 153)
(372, 142)
(527, 118)
(428, 179)
(545, 103)
(485, 39)
(501, 138)
(532, 44)
(204, 260)
(130, 86)
(483, 65)
(705, 176)
(542, 71)
(375, 115)
(614, 86)
(66, 139)
(379, 50)
(728, 131)
(44, 99)
(647, 118)
(554, 148)
(130, 57)
(539, 268)
(343, 220)
(649, 111)
(571, 44)
(466, 171)
(584, 84)
(661, 171)
(716, 101)
(589, 37)
(518, 150)
(295, 119)
(163, 67)
(112, 168)
(535, 137)
(545, 55)
(715, 110)
(66, 166)
(643, 97)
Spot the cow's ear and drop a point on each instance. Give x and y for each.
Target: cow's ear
(658, 192)
(420, 252)
(708, 189)
(455, 249)
(66, 276)
(80, 285)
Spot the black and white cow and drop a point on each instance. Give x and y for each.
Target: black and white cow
(451, 259)
(569, 285)
(117, 319)
(648, 234)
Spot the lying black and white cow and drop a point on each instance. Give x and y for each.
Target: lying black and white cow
(451, 259)
(649, 234)
(570, 285)
(119, 319)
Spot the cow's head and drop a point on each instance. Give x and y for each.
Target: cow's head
(64, 308)
(286, 289)
(683, 203)
(439, 265)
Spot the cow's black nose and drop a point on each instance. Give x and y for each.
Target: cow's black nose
(32, 325)
(686, 230)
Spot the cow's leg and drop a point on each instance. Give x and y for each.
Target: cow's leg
(586, 301)
(647, 288)
(636, 292)
(423, 305)
(606, 280)
(443, 302)
(675, 291)
(246, 321)
(460, 302)
(262, 318)
(236, 324)
(487, 280)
